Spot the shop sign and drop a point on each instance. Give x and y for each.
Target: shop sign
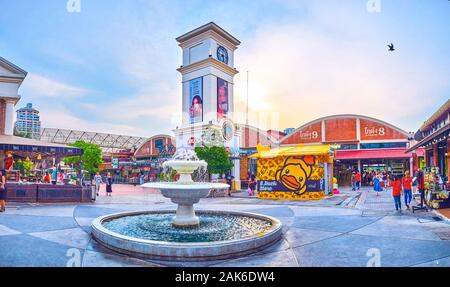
(374, 131)
(308, 135)
(312, 185)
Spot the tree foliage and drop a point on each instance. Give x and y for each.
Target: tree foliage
(216, 157)
(91, 158)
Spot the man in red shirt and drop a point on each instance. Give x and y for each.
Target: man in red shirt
(358, 180)
(407, 188)
(397, 192)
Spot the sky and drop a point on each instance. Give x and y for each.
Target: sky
(112, 66)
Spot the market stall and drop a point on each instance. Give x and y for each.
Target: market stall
(436, 190)
(295, 173)
(26, 161)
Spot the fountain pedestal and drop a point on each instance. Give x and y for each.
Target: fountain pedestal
(185, 196)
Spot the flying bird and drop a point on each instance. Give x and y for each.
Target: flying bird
(391, 47)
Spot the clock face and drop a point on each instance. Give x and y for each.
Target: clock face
(222, 54)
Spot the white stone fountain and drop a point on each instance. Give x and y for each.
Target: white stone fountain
(156, 233)
(185, 192)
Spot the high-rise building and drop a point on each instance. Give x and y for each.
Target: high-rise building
(28, 121)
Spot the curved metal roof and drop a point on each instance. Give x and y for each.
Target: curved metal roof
(104, 140)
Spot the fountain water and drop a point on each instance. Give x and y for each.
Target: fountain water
(186, 235)
(185, 192)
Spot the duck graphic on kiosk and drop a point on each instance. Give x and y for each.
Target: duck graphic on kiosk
(295, 172)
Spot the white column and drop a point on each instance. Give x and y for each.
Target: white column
(9, 118)
(359, 165)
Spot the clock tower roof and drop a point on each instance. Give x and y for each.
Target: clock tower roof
(211, 26)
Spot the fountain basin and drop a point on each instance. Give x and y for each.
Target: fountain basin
(254, 238)
(185, 195)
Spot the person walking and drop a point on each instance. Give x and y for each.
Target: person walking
(252, 185)
(421, 186)
(358, 180)
(229, 179)
(377, 184)
(141, 178)
(407, 189)
(3, 191)
(109, 183)
(54, 175)
(353, 180)
(98, 182)
(397, 192)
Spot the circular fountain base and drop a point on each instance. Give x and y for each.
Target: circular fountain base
(219, 234)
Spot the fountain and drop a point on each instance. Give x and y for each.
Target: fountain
(186, 234)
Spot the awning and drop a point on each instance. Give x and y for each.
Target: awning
(25, 145)
(300, 150)
(397, 153)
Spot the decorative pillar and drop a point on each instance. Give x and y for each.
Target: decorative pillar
(9, 118)
(237, 173)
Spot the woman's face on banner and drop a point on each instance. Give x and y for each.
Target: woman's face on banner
(196, 106)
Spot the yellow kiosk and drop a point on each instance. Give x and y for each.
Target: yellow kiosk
(303, 172)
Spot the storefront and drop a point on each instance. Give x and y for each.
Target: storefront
(295, 173)
(25, 183)
(434, 137)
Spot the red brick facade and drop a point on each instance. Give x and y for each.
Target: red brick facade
(251, 137)
(370, 130)
(309, 134)
(342, 129)
(149, 148)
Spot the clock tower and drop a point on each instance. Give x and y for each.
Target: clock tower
(207, 84)
(208, 74)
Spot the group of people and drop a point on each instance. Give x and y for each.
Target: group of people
(401, 186)
(369, 177)
(98, 180)
(54, 177)
(356, 180)
(383, 180)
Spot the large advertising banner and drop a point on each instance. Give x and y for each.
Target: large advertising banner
(222, 98)
(196, 100)
(291, 178)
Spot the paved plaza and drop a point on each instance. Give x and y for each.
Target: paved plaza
(350, 229)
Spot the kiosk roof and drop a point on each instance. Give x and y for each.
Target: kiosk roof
(300, 150)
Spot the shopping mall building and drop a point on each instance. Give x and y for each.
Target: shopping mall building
(363, 143)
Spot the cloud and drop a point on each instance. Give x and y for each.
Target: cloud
(45, 87)
(303, 72)
(60, 117)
